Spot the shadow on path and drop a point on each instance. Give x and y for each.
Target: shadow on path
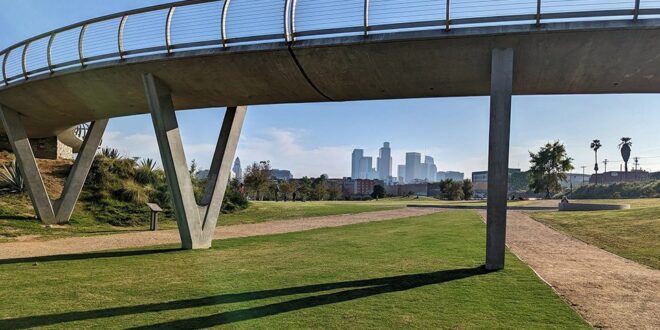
(84, 256)
(355, 290)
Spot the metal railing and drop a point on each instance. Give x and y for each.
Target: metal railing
(194, 24)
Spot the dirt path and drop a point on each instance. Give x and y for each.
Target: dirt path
(607, 290)
(75, 245)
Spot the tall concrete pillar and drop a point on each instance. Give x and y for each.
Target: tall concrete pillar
(196, 222)
(498, 156)
(48, 210)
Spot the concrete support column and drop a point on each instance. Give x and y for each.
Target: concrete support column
(498, 156)
(196, 222)
(51, 211)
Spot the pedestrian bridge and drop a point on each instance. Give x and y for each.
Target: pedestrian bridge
(200, 53)
(233, 52)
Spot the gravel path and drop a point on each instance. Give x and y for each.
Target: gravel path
(74, 245)
(607, 290)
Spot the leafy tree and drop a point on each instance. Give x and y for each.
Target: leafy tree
(452, 190)
(548, 168)
(595, 145)
(468, 189)
(379, 192)
(334, 192)
(320, 187)
(257, 178)
(304, 188)
(626, 147)
(287, 188)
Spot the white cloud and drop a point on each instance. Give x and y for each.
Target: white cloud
(285, 150)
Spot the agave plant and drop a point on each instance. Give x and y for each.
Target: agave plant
(12, 177)
(111, 153)
(625, 147)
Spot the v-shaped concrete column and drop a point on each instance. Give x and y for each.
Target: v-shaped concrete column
(196, 221)
(48, 210)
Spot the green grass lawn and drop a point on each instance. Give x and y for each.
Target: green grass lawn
(411, 273)
(632, 234)
(267, 211)
(17, 217)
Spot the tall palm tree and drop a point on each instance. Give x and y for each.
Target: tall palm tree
(595, 145)
(625, 146)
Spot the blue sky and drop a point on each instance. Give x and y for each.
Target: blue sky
(311, 139)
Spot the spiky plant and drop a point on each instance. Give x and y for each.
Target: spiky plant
(111, 153)
(12, 177)
(626, 147)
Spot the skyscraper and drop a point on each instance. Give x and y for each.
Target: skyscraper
(430, 169)
(384, 162)
(238, 171)
(356, 159)
(401, 174)
(413, 166)
(366, 168)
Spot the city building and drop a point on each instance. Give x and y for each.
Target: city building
(575, 180)
(281, 174)
(453, 175)
(480, 181)
(356, 159)
(619, 176)
(430, 169)
(384, 162)
(413, 166)
(401, 174)
(237, 171)
(358, 188)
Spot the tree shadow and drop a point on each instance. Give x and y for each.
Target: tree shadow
(84, 256)
(354, 290)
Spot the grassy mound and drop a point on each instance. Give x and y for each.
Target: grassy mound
(649, 189)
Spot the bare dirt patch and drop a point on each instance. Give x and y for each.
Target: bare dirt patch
(607, 290)
(73, 245)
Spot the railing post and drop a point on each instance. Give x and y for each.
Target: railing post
(49, 53)
(636, 11)
(366, 17)
(4, 67)
(538, 12)
(287, 20)
(81, 38)
(292, 19)
(23, 60)
(448, 16)
(168, 30)
(223, 30)
(120, 37)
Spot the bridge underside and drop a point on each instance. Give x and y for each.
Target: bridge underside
(560, 58)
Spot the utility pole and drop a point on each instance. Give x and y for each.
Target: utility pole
(636, 159)
(605, 163)
(583, 167)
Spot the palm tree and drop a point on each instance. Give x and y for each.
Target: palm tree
(595, 145)
(625, 150)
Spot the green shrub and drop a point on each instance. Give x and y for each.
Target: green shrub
(619, 190)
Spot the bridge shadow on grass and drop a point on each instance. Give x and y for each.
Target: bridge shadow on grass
(85, 256)
(354, 290)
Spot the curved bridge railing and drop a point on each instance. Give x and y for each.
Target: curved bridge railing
(196, 24)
